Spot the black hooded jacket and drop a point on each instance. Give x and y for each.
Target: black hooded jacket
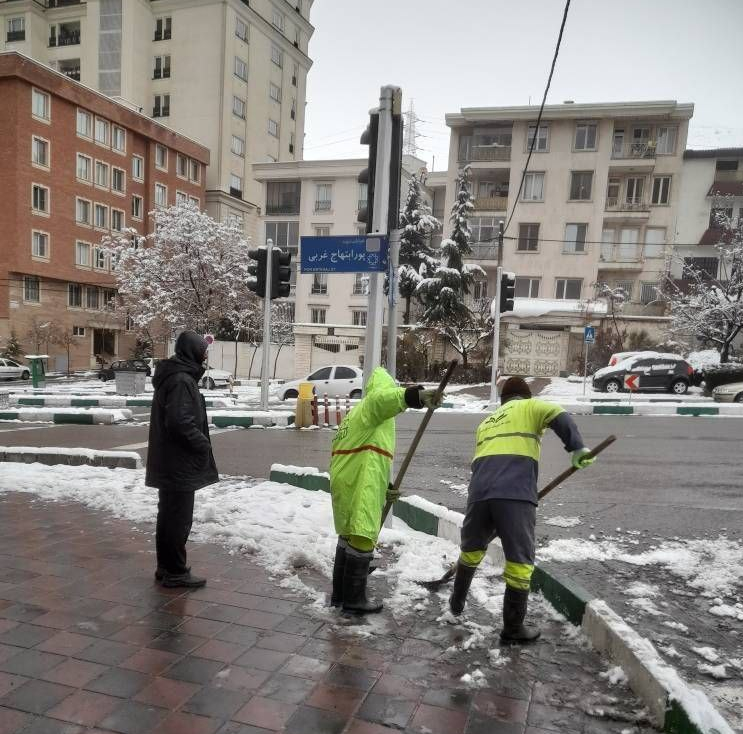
(179, 456)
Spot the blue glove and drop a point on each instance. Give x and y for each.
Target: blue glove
(580, 460)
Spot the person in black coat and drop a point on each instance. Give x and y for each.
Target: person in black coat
(179, 455)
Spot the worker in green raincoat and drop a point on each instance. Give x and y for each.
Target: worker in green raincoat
(362, 454)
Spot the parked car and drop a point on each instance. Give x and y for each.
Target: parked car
(659, 373)
(11, 370)
(730, 393)
(109, 372)
(618, 357)
(215, 378)
(338, 380)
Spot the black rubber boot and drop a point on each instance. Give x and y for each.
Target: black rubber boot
(514, 612)
(160, 572)
(462, 582)
(355, 576)
(339, 566)
(184, 580)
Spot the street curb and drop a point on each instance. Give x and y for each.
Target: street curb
(50, 456)
(675, 706)
(247, 419)
(89, 417)
(654, 409)
(104, 401)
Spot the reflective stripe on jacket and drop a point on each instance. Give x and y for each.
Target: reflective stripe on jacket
(508, 448)
(362, 454)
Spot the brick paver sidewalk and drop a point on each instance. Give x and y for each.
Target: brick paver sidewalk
(88, 642)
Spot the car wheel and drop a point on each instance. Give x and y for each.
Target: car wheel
(679, 387)
(207, 383)
(25, 375)
(613, 386)
(290, 395)
(738, 398)
(103, 378)
(356, 395)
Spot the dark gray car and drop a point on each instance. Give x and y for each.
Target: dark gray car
(655, 374)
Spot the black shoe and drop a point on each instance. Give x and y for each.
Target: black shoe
(462, 582)
(160, 572)
(514, 611)
(355, 576)
(339, 566)
(185, 580)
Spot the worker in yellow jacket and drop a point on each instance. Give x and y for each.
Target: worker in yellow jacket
(362, 454)
(502, 498)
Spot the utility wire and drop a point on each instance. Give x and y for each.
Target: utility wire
(539, 117)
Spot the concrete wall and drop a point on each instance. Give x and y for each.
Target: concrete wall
(222, 356)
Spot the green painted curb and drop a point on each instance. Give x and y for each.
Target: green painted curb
(74, 418)
(698, 411)
(31, 401)
(84, 403)
(226, 421)
(416, 518)
(138, 403)
(567, 597)
(613, 410)
(677, 720)
(8, 416)
(312, 482)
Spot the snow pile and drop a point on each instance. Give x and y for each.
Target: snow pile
(301, 471)
(562, 522)
(614, 675)
(715, 671)
(704, 358)
(708, 653)
(727, 610)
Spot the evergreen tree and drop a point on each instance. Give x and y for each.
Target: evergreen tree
(13, 348)
(417, 257)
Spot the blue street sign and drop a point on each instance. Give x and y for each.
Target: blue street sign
(344, 254)
(589, 335)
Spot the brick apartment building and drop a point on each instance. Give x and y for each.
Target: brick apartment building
(76, 166)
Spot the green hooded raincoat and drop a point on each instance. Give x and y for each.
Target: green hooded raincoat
(363, 449)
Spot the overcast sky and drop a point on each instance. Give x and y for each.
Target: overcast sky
(448, 54)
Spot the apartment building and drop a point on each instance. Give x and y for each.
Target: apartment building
(321, 198)
(77, 166)
(711, 184)
(598, 205)
(228, 73)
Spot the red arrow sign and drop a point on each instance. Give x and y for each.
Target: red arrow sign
(632, 382)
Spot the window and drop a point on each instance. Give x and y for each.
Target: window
(293, 110)
(241, 30)
(117, 220)
(16, 29)
(40, 105)
(648, 293)
(718, 215)
(585, 136)
(161, 107)
(84, 124)
(161, 195)
(526, 287)
(118, 139)
(274, 92)
(195, 171)
(273, 128)
(78, 330)
(236, 185)
(100, 216)
(726, 165)
(321, 374)
(323, 196)
(75, 296)
(568, 288)
(317, 316)
(575, 238)
(91, 298)
(241, 69)
(613, 190)
(163, 29)
(533, 187)
(542, 141)
(181, 198)
(320, 284)
(528, 238)
(40, 199)
(197, 203)
(666, 143)
(480, 289)
(661, 189)
(161, 157)
(359, 284)
(101, 131)
(277, 56)
(282, 197)
(484, 229)
(31, 289)
(39, 152)
(626, 286)
(238, 146)
(238, 107)
(655, 240)
(283, 234)
(323, 231)
(581, 183)
(40, 245)
(162, 67)
(181, 166)
(617, 144)
(118, 180)
(704, 266)
(82, 254)
(101, 174)
(136, 207)
(358, 318)
(634, 191)
(138, 168)
(295, 75)
(277, 20)
(82, 211)
(99, 259)
(84, 168)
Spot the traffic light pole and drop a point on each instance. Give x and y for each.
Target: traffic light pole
(266, 347)
(375, 309)
(392, 300)
(496, 339)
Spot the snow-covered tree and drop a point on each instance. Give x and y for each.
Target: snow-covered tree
(708, 308)
(41, 333)
(191, 271)
(12, 348)
(417, 257)
(282, 328)
(468, 333)
(615, 299)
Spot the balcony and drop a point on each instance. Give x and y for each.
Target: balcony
(475, 153)
(323, 205)
(237, 193)
(621, 257)
(627, 204)
(15, 36)
(161, 111)
(491, 203)
(284, 207)
(72, 72)
(635, 151)
(483, 251)
(63, 3)
(164, 35)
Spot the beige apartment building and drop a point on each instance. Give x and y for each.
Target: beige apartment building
(229, 73)
(599, 204)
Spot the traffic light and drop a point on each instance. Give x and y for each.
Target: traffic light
(507, 291)
(367, 176)
(281, 273)
(393, 213)
(257, 283)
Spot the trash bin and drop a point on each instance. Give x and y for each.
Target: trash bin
(303, 415)
(38, 375)
(130, 382)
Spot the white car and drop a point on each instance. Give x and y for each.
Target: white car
(215, 378)
(339, 380)
(10, 370)
(730, 393)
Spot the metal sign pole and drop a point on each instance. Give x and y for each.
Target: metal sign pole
(496, 340)
(266, 355)
(375, 310)
(394, 260)
(585, 363)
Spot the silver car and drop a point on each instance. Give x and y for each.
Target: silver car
(10, 370)
(730, 393)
